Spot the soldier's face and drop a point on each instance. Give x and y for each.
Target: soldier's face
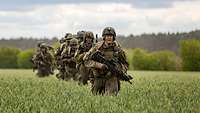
(88, 40)
(73, 46)
(108, 39)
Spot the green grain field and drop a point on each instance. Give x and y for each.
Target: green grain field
(151, 92)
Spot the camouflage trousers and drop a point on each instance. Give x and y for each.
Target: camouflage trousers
(43, 71)
(107, 86)
(70, 73)
(83, 74)
(67, 73)
(61, 74)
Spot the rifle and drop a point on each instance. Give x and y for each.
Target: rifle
(112, 66)
(96, 38)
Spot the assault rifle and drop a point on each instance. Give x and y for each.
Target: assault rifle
(112, 66)
(96, 38)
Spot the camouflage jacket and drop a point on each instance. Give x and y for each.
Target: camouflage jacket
(112, 52)
(83, 48)
(43, 59)
(67, 56)
(59, 50)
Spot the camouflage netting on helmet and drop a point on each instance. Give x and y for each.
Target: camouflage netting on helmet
(109, 31)
(89, 35)
(80, 35)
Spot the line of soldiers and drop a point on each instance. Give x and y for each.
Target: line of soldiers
(104, 63)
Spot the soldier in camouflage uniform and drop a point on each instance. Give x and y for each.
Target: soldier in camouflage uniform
(43, 60)
(104, 81)
(64, 43)
(68, 60)
(34, 56)
(84, 47)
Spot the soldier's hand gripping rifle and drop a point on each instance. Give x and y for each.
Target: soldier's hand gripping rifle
(112, 66)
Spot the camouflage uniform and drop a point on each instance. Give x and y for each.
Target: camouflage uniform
(43, 61)
(64, 43)
(104, 81)
(68, 60)
(84, 47)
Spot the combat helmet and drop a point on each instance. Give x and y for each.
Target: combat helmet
(69, 37)
(62, 40)
(40, 43)
(109, 31)
(43, 45)
(80, 35)
(67, 34)
(89, 35)
(73, 43)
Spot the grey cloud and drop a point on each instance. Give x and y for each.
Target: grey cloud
(20, 5)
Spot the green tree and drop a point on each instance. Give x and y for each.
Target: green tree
(190, 54)
(24, 58)
(140, 59)
(161, 60)
(8, 57)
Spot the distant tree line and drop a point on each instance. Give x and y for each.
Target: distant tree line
(138, 58)
(159, 41)
(150, 42)
(25, 42)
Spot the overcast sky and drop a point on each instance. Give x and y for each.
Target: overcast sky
(48, 18)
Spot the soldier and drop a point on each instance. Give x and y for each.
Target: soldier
(106, 81)
(68, 60)
(34, 56)
(43, 61)
(84, 47)
(80, 36)
(64, 43)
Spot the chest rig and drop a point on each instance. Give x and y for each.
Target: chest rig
(110, 52)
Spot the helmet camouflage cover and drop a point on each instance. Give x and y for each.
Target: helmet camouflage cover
(43, 45)
(66, 37)
(80, 35)
(40, 43)
(69, 37)
(67, 34)
(109, 31)
(88, 34)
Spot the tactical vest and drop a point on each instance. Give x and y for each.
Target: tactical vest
(110, 52)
